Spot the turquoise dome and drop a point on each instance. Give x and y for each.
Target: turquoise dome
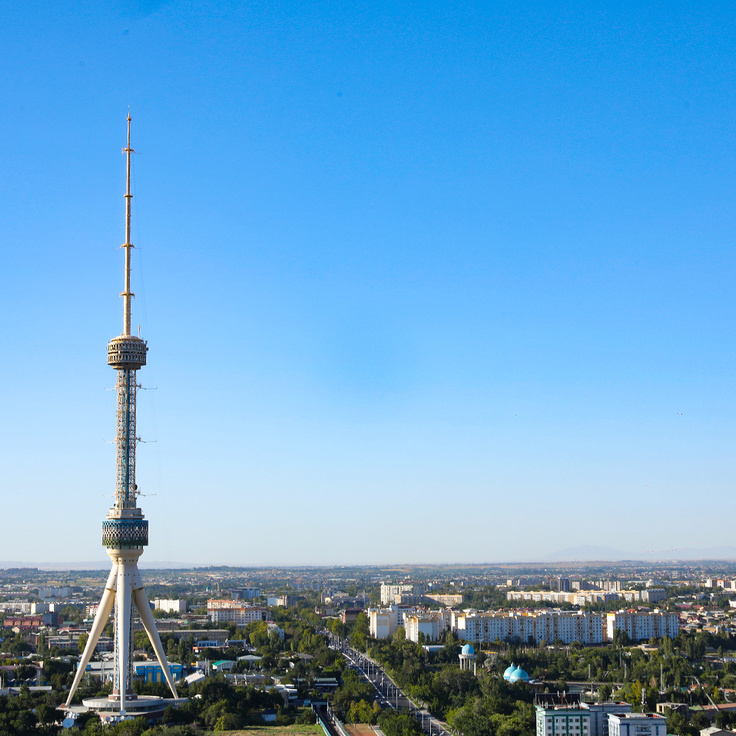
(509, 671)
(468, 649)
(518, 675)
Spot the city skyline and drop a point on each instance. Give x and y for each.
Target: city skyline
(425, 284)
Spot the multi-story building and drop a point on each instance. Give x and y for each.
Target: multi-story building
(432, 624)
(23, 623)
(15, 606)
(610, 585)
(636, 724)
(578, 626)
(246, 593)
(46, 593)
(560, 584)
(640, 625)
(563, 720)
(445, 599)
(383, 622)
(653, 595)
(599, 713)
(567, 626)
(170, 606)
(234, 612)
(389, 592)
(576, 598)
(282, 600)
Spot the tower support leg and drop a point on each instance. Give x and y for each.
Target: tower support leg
(103, 614)
(144, 611)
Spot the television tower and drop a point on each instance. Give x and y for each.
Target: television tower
(125, 531)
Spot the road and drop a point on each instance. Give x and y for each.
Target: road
(389, 693)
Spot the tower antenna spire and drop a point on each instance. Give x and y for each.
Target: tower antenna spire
(127, 294)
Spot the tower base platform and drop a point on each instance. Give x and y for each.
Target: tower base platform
(108, 708)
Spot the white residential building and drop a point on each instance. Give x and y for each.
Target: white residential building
(383, 622)
(389, 592)
(636, 724)
(576, 598)
(46, 593)
(432, 625)
(567, 626)
(640, 625)
(586, 628)
(170, 606)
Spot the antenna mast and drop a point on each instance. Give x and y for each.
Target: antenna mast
(127, 294)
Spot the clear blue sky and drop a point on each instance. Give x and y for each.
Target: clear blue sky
(422, 282)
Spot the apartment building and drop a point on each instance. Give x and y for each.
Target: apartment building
(599, 713)
(563, 720)
(170, 605)
(383, 622)
(432, 624)
(641, 625)
(234, 612)
(389, 592)
(586, 628)
(636, 724)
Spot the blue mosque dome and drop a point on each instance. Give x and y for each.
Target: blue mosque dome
(468, 649)
(509, 671)
(518, 675)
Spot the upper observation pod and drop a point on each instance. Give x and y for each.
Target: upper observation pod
(127, 351)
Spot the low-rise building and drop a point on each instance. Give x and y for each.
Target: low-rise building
(636, 724)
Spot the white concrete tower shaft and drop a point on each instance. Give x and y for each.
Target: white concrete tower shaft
(125, 531)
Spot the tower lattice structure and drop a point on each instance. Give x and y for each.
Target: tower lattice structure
(125, 531)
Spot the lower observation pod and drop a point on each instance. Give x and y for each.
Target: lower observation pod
(125, 533)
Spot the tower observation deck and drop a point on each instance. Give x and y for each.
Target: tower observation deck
(125, 531)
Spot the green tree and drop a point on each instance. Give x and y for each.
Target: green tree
(360, 632)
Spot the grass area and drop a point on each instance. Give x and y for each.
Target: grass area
(295, 730)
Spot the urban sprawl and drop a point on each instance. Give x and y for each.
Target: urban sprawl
(624, 649)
